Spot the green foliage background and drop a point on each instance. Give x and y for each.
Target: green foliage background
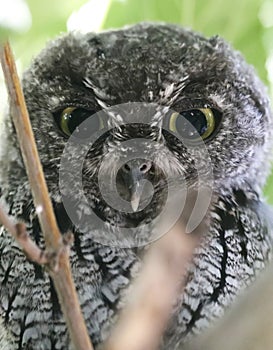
(247, 24)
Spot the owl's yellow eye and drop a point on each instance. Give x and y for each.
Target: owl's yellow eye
(71, 118)
(194, 123)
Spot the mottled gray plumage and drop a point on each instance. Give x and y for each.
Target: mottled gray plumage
(157, 63)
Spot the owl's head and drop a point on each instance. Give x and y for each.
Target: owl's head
(159, 101)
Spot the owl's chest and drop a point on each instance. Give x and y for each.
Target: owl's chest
(235, 248)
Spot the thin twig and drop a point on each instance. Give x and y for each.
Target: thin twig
(154, 293)
(18, 231)
(29, 151)
(7, 222)
(61, 277)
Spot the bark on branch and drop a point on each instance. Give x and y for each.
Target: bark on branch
(18, 231)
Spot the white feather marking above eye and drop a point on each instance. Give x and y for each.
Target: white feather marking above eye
(98, 92)
(220, 101)
(88, 83)
(169, 90)
(159, 115)
(172, 91)
(102, 103)
(53, 101)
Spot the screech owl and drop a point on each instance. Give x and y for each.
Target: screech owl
(211, 87)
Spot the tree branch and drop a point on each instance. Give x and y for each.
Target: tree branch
(61, 276)
(154, 293)
(248, 325)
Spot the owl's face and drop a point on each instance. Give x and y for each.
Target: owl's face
(195, 93)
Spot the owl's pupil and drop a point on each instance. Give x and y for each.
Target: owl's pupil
(77, 117)
(196, 118)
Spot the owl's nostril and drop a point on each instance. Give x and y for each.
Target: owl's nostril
(126, 167)
(145, 167)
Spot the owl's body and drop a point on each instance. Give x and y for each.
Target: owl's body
(156, 63)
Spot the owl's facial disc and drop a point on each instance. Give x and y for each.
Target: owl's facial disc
(132, 169)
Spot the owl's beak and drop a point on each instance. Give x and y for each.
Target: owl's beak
(135, 186)
(136, 192)
(133, 174)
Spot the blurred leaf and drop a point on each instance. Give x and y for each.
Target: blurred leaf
(49, 20)
(4, 34)
(14, 18)
(268, 190)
